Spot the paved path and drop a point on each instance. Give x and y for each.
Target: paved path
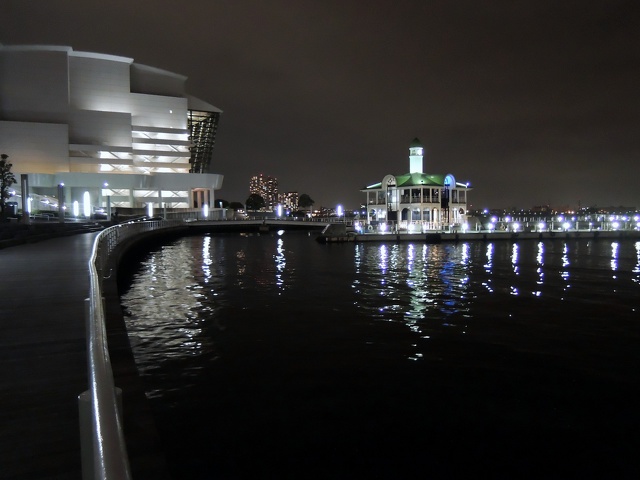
(43, 365)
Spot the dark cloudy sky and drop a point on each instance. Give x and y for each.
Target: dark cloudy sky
(533, 102)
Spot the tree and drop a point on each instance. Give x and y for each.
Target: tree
(220, 203)
(235, 206)
(255, 202)
(6, 180)
(305, 201)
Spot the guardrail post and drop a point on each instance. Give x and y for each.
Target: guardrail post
(86, 434)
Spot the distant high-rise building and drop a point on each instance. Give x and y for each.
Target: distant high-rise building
(265, 186)
(289, 200)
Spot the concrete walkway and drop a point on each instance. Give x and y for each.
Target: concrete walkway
(43, 366)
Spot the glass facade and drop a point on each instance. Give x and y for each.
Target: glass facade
(202, 130)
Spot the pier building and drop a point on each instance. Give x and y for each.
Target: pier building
(103, 128)
(417, 200)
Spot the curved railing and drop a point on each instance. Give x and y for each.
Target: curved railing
(104, 454)
(107, 458)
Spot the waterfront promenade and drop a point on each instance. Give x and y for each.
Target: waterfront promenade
(43, 364)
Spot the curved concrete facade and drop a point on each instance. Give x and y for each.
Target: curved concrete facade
(105, 125)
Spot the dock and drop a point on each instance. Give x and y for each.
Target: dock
(440, 237)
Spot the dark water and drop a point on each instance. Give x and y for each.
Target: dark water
(276, 357)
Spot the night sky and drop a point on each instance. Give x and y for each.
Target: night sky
(532, 102)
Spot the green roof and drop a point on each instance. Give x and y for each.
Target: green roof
(413, 180)
(419, 179)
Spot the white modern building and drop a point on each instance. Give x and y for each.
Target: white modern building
(417, 200)
(106, 128)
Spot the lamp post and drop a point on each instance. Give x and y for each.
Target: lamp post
(61, 202)
(26, 200)
(108, 202)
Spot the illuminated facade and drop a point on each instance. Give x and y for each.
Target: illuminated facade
(267, 187)
(289, 200)
(105, 125)
(417, 200)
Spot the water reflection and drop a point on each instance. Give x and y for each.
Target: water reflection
(636, 269)
(564, 273)
(281, 264)
(539, 269)
(514, 266)
(379, 326)
(189, 292)
(206, 258)
(614, 257)
(395, 283)
(169, 303)
(488, 266)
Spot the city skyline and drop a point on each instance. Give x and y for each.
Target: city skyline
(266, 186)
(534, 103)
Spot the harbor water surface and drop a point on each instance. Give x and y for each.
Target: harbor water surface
(273, 356)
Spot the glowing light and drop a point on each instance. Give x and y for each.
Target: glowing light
(150, 209)
(516, 226)
(615, 225)
(492, 226)
(279, 210)
(86, 204)
(205, 211)
(541, 226)
(76, 208)
(29, 201)
(566, 225)
(383, 227)
(339, 210)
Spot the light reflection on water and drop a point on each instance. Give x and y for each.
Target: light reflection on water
(188, 292)
(245, 335)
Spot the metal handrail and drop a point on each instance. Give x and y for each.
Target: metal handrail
(108, 455)
(109, 452)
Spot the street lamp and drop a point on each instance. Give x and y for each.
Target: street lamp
(61, 202)
(86, 207)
